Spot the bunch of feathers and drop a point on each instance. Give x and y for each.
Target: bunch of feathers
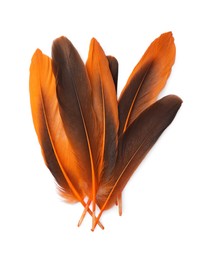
(91, 141)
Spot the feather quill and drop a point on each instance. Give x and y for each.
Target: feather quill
(147, 80)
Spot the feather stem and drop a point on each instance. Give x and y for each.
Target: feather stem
(119, 199)
(84, 212)
(93, 221)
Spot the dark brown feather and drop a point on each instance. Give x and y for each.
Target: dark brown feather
(75, 104)
(135, 143)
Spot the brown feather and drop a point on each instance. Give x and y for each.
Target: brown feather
(105, 105)
(134, 144)
(147, 80)
(74, 95)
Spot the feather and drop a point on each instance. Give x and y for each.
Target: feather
(134, 144)
(74, 95)
(105, 105)
(147, 80)
(114, 67)
(48, 125)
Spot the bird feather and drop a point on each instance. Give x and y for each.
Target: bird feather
(105, 105)
(74, 94)
(55, 146)
(146, 80)
(134, 144)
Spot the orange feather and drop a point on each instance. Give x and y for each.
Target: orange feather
(105, 106)
(147, 80)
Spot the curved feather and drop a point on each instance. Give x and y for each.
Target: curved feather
(55, 146)
(147, 80)
(104, 103)
(74, 95)
(134, 144)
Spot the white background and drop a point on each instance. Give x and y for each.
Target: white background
(167, 203)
